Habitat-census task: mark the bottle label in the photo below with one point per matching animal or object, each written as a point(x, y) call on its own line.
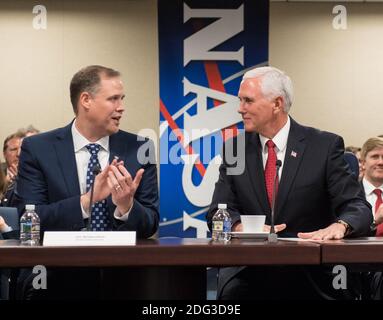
point(218, 226)
point(227, 226)
point(26, 227)
point(30, 228)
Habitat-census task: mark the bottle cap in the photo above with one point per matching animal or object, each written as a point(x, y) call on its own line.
point(30, 207)
point(222, 206)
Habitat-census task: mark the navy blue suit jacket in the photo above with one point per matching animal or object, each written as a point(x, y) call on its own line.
point(48, 178)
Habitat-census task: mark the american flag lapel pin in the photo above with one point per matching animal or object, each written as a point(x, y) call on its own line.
point(293, 154)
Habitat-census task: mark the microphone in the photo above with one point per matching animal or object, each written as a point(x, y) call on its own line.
point(95, 170)
point(273, 237)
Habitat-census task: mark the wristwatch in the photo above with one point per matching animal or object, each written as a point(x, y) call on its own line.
point(373, 226)
point(346, 225)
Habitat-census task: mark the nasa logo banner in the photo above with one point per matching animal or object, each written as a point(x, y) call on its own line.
point(205, 47)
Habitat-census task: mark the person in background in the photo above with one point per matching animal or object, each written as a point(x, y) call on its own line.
point(372, 182)
point(3, 185)
point(31, 131)
point(7, 276)
point(11, 151)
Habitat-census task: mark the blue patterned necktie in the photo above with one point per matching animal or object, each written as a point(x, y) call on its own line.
point(99, 217)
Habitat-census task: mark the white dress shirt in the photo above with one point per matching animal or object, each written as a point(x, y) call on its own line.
point(280, 141)
point(82, 159)
point(371, 197)
point(6, 229)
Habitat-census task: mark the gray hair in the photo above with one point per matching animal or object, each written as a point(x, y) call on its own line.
point(274, 83)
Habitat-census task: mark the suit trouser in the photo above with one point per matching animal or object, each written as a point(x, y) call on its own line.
point(62, 284)
point(285, 282)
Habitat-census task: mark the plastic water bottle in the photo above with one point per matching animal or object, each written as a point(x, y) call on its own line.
point(221, 224)
point(30, 226)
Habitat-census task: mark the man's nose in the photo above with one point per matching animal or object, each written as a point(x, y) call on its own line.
point(120, 107)
point(241, 108)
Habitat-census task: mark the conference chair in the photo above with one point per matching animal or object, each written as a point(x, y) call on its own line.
point(352, 162)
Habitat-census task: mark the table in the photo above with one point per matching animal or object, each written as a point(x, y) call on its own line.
point(354, 251)
point(168, 268)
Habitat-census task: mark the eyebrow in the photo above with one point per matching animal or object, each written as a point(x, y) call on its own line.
point(117, 96)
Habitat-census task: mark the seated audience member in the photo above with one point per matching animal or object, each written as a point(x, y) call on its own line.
point(3, 185)
point(11, 152)
point(372, 163)
point(57, 168)
point(7, 276)
point(354, 150)
point(9, 192)
point(317, 197)
point(31, 131)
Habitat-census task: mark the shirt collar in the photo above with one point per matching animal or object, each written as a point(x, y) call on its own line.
point(369, 187)
point(80, 142)
point(280, 139)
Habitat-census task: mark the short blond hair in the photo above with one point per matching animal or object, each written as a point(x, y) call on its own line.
point(369, 145)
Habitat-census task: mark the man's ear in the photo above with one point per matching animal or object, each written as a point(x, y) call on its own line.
point(85, 100)
point(279, 104)
point(362, 164)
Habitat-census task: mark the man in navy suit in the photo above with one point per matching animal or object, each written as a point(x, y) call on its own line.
point(317, 197)
point(54, 166)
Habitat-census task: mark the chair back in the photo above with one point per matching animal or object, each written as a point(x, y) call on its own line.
point(352, 162)
point(11, 217)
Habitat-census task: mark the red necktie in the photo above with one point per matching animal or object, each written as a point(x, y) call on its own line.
point(379, 201)
point(270, 170)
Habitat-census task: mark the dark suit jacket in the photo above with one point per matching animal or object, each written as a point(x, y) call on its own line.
point(315, 188)
point(372, 226)
point(14, 234)
point(48, 178)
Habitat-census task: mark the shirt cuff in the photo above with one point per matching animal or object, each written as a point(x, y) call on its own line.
point(122, 217)
point(85, 215)
point(6, 229)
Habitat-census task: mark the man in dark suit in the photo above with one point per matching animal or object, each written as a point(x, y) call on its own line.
point(371, 157)
point(56, 168)
point(11, 152)
point(317, 197)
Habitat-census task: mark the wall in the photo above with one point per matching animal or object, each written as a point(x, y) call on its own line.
point(37, 65)
point(337, 73)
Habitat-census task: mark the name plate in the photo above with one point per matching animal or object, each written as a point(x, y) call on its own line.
point(89, 238)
